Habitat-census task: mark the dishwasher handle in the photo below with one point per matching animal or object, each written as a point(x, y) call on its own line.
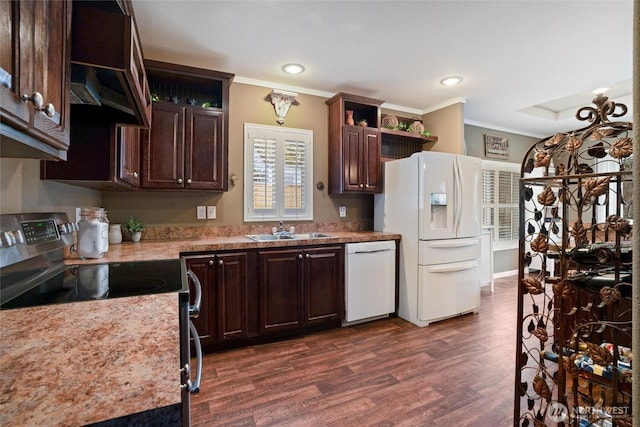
point(372, 251)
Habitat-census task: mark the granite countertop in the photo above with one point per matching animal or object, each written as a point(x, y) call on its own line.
point(149, 250)
point(84, 362)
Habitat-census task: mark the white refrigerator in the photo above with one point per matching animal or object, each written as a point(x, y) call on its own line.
point(434, 201)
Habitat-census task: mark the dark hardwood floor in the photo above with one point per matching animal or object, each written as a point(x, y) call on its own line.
point(458, 372)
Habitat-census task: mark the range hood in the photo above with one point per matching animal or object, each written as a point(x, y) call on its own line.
point(107, 71)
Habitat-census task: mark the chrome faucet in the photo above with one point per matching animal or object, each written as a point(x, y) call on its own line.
point(282, 230)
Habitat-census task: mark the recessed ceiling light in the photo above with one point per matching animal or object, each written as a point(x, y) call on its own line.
point(293, 68)
point(600, 90)
point(451, 81)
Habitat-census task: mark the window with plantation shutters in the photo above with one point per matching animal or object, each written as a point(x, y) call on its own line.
point(500, 195)
point(278, 173)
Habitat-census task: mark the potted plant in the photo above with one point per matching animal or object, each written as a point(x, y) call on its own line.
point(135, 227)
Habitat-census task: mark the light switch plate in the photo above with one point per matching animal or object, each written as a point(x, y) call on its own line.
point(343, 211)
point(201, 212)
point(211, 212)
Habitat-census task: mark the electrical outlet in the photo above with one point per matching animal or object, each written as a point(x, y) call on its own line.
point(201, 212)
point(211, 212)
point(343, 211)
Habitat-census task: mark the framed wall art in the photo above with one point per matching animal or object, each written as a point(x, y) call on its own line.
point(496, 147)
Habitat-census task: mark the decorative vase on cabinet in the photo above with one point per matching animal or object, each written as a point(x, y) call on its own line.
point(349, 121)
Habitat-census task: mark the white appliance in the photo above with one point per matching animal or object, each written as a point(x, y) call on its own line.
point(434, 201)
point(371, 280)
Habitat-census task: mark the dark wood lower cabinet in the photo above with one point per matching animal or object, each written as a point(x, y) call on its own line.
point(323, 285)
point(224, 305)
point(280, 287)
point(257, 295)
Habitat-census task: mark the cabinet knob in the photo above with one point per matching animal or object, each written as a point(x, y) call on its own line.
point(308, 256)
point(179, 180)
point(361, 185)
point(36, 99)
point(135, 174)
point(366, 186)
point(189, 181)
point(38, 102)
point(299, 256)
point(220, 262)
point(49, 110)
point(210, 262)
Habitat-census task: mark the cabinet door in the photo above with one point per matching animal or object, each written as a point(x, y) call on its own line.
point(323, 285)
point(51, 73)
point(205, 152)
point(204, 269)
point(352, 158)
point(16, 39)
point(371, 160)
point(163, 148)
point(280, 288)
point(129, 154)
point(34, 51)
point(231, 287)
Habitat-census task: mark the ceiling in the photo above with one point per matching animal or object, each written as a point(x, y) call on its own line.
point(527, 65)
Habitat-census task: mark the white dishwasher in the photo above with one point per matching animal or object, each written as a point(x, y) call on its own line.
point(370, 271)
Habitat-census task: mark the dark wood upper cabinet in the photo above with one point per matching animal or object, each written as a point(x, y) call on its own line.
point(361, 156)
point(104, 156)
point(354, 151)
point(187, 145)
point(108, 76)
point(34, 95)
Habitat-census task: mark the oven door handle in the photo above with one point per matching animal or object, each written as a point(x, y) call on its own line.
point(194, 310)
point(194, 387)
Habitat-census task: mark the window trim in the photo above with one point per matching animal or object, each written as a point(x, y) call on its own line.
point(514, 169)
point(280, 135)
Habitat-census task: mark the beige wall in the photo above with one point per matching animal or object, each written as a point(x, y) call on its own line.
point(22, 191)
point(448, 125)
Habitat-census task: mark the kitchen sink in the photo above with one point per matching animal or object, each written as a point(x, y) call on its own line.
point(275, 237)
point(269, 237)
point(303, 236)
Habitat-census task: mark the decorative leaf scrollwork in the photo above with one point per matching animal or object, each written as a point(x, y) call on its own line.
point(541, 334)
point(554, 140)
point(619, 224)
point(562, 290)
point(533, 285)
point(599, 355)
point(595, 187)
point(621, 148)
point(541, 388)
point(547, 197)
point(574, 143)
point(539, 244)
point(609, 295)
point(597, 151)
point(542, 159)
point(579, 233)
point(584, 168)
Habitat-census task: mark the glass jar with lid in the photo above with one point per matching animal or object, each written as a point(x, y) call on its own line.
point(93, 233)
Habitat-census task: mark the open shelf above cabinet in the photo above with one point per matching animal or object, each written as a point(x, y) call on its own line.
point(397, 144)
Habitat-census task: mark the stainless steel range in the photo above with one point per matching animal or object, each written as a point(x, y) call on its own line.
point(33, 273)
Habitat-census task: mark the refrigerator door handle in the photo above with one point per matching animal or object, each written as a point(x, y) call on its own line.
point(453, 269)
point(458, 199)
point(454, 244)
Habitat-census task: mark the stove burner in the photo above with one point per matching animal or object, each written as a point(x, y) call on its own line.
point(128, 287)
point(97, 281)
